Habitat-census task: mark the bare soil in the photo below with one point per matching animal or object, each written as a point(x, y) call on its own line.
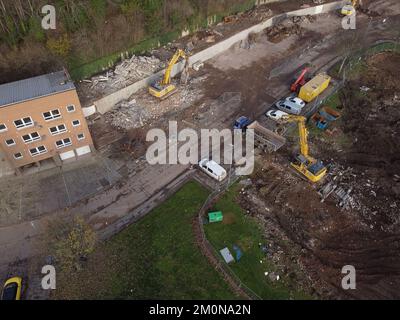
point(321, 238)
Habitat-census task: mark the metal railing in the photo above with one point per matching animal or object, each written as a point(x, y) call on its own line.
point(221, 264)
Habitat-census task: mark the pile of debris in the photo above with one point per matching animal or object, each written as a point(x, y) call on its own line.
point(126, 73)
point(304, 19)
point(261, 13)
point(354, 190)
point(289, 27)
point(208, 36)
point(340, 185)
point(279, 32)
point(127, 115)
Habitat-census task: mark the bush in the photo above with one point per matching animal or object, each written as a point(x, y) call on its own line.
point(60, 46)
point(71, 242)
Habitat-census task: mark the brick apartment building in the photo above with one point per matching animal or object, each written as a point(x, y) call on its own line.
point(41, 118)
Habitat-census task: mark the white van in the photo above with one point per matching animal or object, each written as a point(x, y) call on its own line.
point(213, 169)
point(289, 107)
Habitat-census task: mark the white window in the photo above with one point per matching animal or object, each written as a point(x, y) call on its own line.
point(37, 151)
point(23, 123)
point(30, 137)
point(51, 115)
point(10, 142)
point(63, 143)
point(81, 136)
point(71, 108)
point(58, 129)
point(76, 123)
point(18, 155)
point(3, 127)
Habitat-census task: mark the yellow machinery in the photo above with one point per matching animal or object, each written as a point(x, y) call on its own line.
point(164, 88)
point(314, 87)
point(349, 9)
point(314, 170)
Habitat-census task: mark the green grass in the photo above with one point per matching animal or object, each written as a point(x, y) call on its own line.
point(244, 231)
point(333, 101)
point(155, 258)
point(357, 61)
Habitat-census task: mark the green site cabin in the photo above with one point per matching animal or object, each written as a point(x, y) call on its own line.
point(215, 216)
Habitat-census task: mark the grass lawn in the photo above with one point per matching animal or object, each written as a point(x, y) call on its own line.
point(244, 231)
point(155, 258)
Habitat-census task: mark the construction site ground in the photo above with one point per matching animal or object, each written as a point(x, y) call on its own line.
point(320, 238)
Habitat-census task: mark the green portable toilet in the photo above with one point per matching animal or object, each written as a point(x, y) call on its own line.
point(216, 216)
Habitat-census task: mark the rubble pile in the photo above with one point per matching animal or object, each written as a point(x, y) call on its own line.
point(280, 32)
point(127, 115)
point(340, 184)
point(126, 73)
point(261, 13)
point(354, 190)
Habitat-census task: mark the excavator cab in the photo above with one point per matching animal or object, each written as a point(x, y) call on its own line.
point(349, 9)
point(313, 170)
point(158, 90)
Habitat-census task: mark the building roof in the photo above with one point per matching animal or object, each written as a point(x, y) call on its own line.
point(33, 88)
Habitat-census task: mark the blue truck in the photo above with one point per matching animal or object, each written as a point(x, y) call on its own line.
point(241, 123)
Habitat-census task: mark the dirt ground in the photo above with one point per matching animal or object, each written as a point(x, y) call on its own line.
point(320, 237)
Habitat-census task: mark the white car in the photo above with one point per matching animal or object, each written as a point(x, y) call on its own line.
point(213, 169)
point(276, 115)
point(297, 101)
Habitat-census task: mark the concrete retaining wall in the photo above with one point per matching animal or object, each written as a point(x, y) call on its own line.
point(107, 103)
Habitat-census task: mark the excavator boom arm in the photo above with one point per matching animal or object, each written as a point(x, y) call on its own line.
point(302, 132)
point(167, 76)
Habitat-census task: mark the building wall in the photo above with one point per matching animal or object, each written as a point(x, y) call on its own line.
point(35, 109)
point(108, 102)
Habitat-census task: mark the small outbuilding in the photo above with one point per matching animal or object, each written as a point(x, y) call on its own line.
point(226, 254)
point(215, 216)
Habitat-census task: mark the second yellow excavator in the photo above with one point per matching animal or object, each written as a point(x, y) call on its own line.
point(314, 170)
point(349, 9)
point(164, 88)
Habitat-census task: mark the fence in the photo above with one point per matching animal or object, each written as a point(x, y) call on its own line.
point(210, 248)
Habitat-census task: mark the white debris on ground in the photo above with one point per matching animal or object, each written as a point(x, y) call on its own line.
point(125, 73)
point(127, 115)
point(143, 108)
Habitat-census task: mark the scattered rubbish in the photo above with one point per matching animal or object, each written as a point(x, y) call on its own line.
point(238, 252)
point(125, 73)
point(197, 65)
point(127, 115)
point(365, 89)
point(226, 254)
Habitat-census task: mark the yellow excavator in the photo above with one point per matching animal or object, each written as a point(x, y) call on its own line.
point(164, 88)
point(314, 170)
point(349, 9)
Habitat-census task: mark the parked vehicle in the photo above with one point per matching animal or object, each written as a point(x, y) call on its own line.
point(241, 123)
point(289, 107)
point(314, 87)
point(300, 80)
point(12, 289)
point(276, 115)
point(297, 101)
point(266, 139)
point(213, 169)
